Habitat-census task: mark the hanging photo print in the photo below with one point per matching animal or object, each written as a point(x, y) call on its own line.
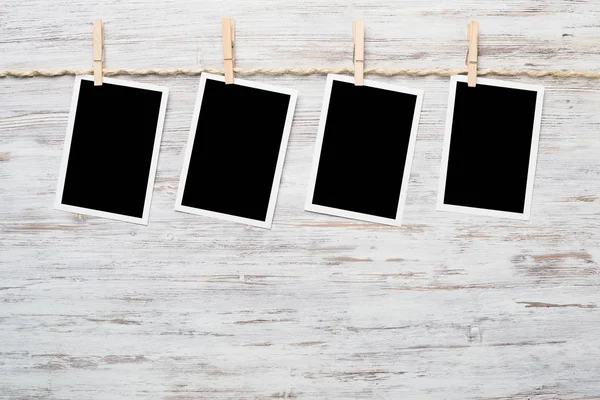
point(490, 148)
point(236, 149)
point(111, 149)
point(364, 150)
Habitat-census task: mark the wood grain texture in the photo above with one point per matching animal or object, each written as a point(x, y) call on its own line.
point(447, 306)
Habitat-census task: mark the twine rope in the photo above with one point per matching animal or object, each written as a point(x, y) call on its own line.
point(305, 72)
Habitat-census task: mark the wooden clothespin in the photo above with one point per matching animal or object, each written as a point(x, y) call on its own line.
point(358, 34)
point(228, 27)
point(473, 37)
point(98, 52)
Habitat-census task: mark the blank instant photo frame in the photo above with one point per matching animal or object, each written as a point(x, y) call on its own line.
point(364, 150)
point(490, 148)
point(111, 149)
point(236, 149)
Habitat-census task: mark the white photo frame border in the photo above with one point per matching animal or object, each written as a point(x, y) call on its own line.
point(537, 122)
point(280, 157)
point(58, 205)
point(309, 206)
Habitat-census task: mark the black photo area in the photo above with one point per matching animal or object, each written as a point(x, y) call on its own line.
point(490, 147)
point(235, 150)
point(111, 148)
point(364, 149)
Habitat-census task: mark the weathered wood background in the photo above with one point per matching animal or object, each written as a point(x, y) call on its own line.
point(448, 306)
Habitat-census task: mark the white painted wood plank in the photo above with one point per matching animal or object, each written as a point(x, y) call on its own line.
point(448, 306)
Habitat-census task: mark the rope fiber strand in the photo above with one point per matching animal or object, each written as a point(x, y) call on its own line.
point(305, 72)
